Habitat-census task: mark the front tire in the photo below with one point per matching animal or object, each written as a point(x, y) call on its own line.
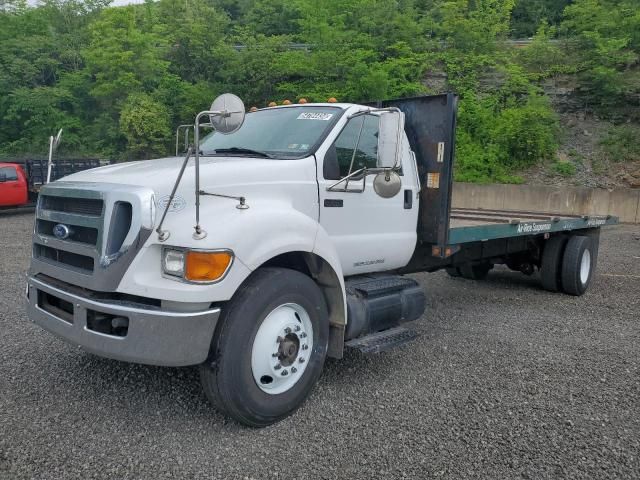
point(277, 322)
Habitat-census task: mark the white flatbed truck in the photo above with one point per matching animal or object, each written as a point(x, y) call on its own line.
point(307, 218)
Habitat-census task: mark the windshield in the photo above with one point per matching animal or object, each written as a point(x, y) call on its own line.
point(275, 132)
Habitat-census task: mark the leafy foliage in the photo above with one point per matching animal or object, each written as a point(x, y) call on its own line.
point(119, 80)
point(621, 144)
point(566, 169)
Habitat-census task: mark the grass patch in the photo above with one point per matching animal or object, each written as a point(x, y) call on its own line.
point(566, 169)
point(622, 144)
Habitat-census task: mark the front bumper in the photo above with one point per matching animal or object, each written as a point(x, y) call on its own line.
point(153, 336)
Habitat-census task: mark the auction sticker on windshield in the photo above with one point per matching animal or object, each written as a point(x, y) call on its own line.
point(315, 116)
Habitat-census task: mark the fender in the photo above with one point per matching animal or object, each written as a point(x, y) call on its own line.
point(293, 232)
point(267, 229)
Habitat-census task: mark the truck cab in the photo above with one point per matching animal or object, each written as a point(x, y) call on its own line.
point(279, 239)
point(13, 185)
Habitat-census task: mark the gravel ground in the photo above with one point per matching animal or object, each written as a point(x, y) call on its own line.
point(506, 381)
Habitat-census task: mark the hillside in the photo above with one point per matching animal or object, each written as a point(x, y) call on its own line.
point(119, 80)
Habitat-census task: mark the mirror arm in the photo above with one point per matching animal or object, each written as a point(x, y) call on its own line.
point(373, 110)
point(164, 234)
point(332, 188)
point(353, 156)
point(199, 233)
point(399, 141)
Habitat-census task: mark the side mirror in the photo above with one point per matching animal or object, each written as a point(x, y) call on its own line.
point(387, 184)
point(229, 113)
point(390, 139)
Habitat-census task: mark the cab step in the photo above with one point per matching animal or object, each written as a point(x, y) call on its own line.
point(383, 341)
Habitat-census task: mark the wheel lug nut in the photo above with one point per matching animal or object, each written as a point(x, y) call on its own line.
point(304, 347)
point(303, 335)
point(297, 328)
point(294, 369)
point(301, 360)
point(284, 373)
point(277, 367)
point(287, 330)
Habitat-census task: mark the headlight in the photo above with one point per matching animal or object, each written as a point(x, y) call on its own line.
point(173, 262)
point(196, 265)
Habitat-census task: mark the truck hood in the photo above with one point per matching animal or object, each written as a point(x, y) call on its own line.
point(229, 175)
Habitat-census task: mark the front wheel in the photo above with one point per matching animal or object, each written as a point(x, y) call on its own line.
point(269, 348)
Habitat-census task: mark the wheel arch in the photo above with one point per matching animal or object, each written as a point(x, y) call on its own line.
point(331, 284)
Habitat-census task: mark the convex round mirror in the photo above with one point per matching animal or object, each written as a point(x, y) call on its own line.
point(231, 113)
point(387, 184)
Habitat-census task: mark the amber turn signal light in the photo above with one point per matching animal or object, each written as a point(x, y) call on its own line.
point(206, 266)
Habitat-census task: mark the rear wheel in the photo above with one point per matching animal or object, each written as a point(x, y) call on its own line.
point(551, 268)
point(475, 271)
point(577, 265)
point(453, 271)
point(269, 348)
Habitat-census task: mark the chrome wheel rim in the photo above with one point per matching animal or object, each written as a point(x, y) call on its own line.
point(281, 348)
point(585, 267)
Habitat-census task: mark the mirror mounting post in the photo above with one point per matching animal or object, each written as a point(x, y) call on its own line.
point(226, 115)
point(199, 233)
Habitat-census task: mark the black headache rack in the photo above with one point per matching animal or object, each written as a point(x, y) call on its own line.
point(430, 125)
point(445, 232)
point(36, 169)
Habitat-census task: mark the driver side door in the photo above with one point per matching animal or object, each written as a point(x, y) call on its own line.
point(370, 233)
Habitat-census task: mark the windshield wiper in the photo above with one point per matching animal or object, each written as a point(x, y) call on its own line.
point(241, 150)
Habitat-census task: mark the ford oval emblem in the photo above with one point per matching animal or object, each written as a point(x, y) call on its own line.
point(61, 231)
point(177, 204)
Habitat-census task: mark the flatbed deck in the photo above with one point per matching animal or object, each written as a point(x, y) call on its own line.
point(473, 225)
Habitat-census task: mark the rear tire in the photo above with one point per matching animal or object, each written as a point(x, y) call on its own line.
point(453, 271)
point(276, 322)
point(475, 271)
point(551, 268)
point(577, 265)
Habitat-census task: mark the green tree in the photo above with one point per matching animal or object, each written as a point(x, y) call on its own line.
point(604, 41)
point(144, 122)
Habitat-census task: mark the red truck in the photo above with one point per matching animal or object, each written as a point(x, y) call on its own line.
point(14, 187)
point(21, 182)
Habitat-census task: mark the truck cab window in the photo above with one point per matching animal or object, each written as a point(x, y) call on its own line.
point(342, 149)
point(9, 174)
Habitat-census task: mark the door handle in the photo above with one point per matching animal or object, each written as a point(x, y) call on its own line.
point(333, 202)
point(408, 199)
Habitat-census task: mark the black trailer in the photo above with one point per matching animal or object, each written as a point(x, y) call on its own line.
point(469, 242)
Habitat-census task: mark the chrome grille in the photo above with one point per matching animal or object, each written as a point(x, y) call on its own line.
point(83, 206)
point(74, 260)
point(78, 234)
point(106, 224)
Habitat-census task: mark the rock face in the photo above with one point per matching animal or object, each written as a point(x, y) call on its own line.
point(633, 178)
